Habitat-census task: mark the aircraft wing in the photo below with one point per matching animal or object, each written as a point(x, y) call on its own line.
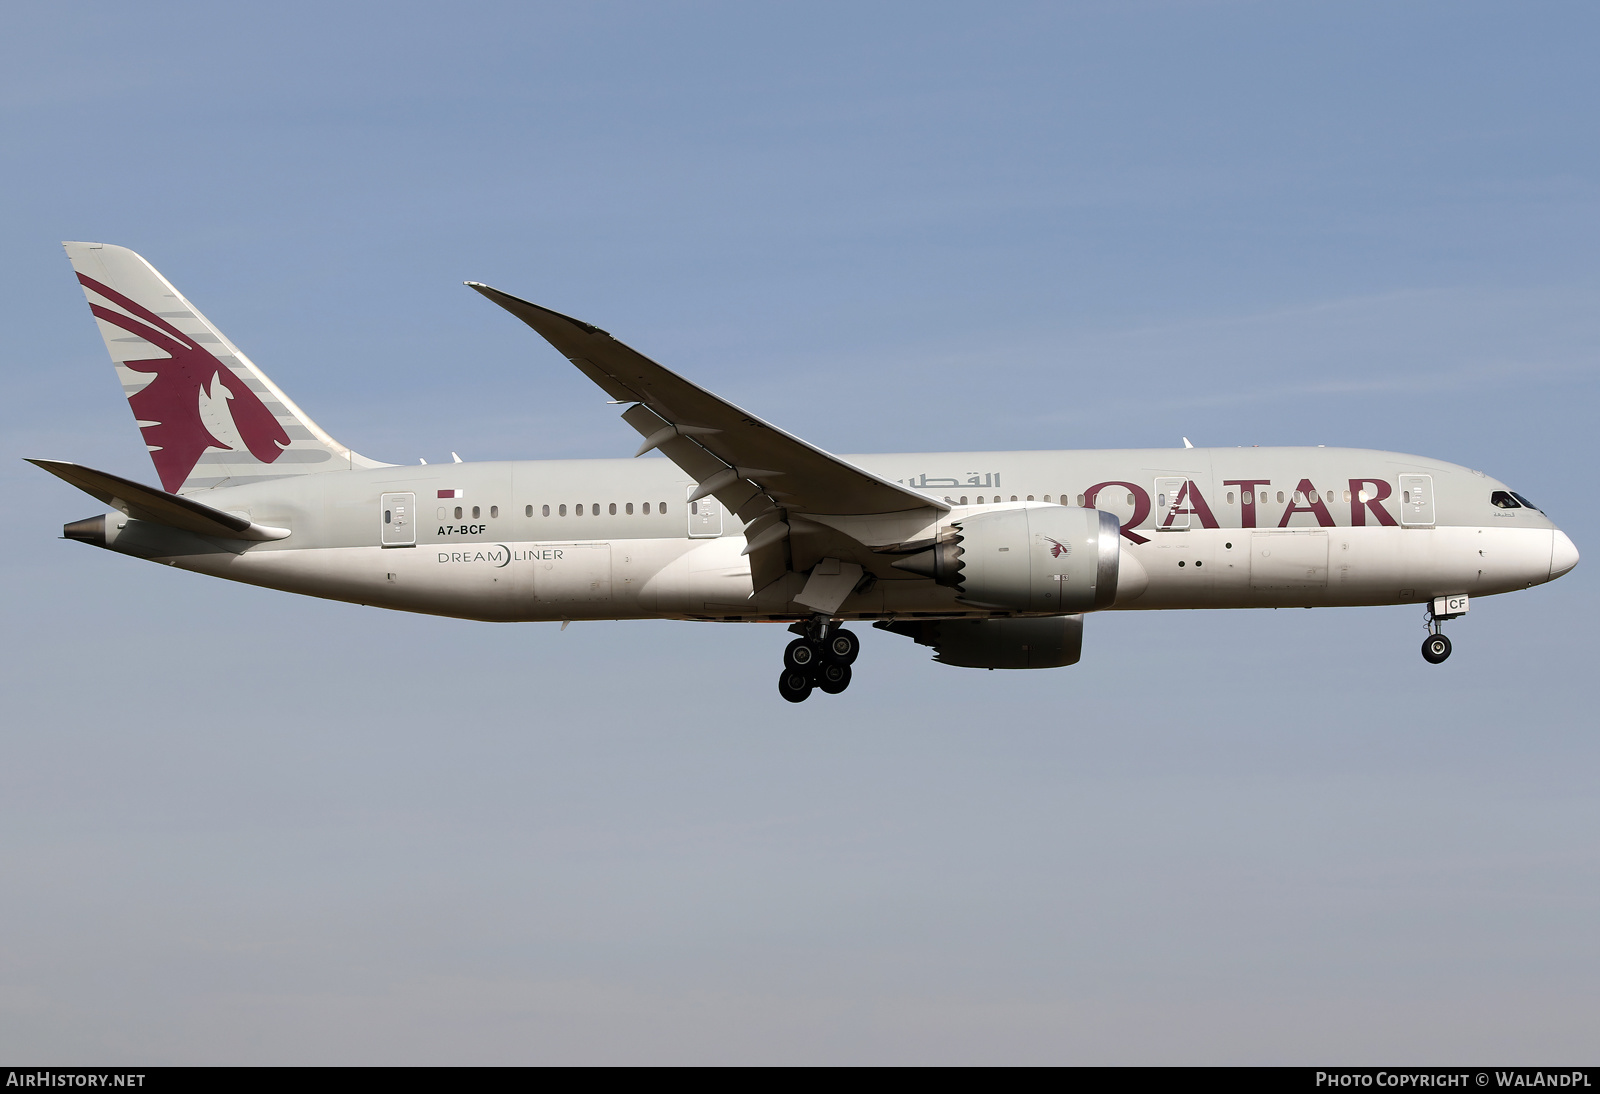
point(770, 478)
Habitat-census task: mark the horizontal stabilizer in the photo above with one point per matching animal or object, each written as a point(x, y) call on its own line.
point(157, 506)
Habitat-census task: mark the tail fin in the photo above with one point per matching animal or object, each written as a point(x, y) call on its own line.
point(208, 415)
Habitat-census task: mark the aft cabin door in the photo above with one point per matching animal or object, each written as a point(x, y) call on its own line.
point(1416, 501)
point(1169, 494)
point(398, 513)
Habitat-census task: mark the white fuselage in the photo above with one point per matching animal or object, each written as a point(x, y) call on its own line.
point(616, 539)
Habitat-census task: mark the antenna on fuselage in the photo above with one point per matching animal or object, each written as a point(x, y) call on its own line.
point(1186, 443)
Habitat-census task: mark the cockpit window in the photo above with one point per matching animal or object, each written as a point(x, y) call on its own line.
point(1504, 499)
point(1526, 502)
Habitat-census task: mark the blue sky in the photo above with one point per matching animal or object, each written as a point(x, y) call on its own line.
point(237, 826)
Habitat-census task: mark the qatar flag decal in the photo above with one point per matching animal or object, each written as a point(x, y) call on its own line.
point(452, 493)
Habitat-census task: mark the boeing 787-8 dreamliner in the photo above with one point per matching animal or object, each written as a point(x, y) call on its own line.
point(990, 558)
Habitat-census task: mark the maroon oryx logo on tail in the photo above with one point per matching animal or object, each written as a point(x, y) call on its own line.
point(177, 435)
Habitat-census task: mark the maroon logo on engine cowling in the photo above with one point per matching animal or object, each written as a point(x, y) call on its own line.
point(1057, 548)
point(171, 401)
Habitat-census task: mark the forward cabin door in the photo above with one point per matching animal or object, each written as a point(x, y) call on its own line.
point(398, 513)
point(1416, 501)
point(1169, 491)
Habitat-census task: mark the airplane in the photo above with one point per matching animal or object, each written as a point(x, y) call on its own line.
point(991, 559)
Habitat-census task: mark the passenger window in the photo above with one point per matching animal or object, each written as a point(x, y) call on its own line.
point(546, 511)
point(494, 511)
point(661, 507)
point(1230, 497)
point(594, 509)
point(1080, 500)
point(1264, 497)
point(963, 499)
point(613, 508)
point(628, 508)
point(1047, 497)
point(1030, 498)
point(694, 508)
point(563, 510)
point(1406, 494)
point(1130, 499)
point(1502, 499)
point(577, 510)
point(1346, 496)
point(647, 509)
point(386, 515)
point(528, 512)
point(980, 499)
point(458, 512)
point(1014, 498)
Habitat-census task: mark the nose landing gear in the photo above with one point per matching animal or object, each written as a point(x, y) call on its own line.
point(819, 659)
point(1436, 647)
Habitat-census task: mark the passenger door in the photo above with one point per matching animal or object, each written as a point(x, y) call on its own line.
point(1167, 493)
point(705, 517)
point(1416, 501)
point(398, 515)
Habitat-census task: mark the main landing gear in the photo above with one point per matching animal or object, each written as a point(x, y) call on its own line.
point(1436, 647)
point(820, 658)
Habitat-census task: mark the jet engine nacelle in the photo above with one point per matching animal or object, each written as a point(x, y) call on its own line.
point(1044, 558)
point(1046, 643)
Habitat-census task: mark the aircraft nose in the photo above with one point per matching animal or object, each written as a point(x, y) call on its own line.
point(1563, 555)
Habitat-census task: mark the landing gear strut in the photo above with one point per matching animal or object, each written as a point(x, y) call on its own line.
point(820, 658)
point(1436, 647)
